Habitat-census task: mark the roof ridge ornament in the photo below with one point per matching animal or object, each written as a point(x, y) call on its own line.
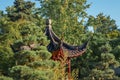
point(48, 22)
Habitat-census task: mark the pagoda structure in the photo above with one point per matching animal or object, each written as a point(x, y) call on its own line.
point(58, 47)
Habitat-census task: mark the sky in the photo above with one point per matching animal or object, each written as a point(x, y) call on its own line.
point(108, 7)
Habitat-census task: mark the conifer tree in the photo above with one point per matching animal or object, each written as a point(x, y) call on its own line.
point(32, 60)
point(6, 54)
point(103, 70)
point(5, 78)
point(24, 53)
point(21, 10)
point(102, 23)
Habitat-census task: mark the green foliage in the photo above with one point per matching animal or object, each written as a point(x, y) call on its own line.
point(23, 52)
point(105, 48)
point(104, 67)
point(104, 75)
point(67, 17)
point(27, 73)
point(32, 59)
point(20, 10)
point(116, 51)
point(113, 34)
point(6, 59)
point(5, 78)
point(9, 31)
point(102, 23)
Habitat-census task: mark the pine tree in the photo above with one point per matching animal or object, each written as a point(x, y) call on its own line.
point(32, 58)
point(5, 78)
point(21, 10)
point(24, 53)
point(6, 54)
point(102, 23)
point(103, 70)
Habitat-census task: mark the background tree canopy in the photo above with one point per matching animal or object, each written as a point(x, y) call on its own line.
point(23, 52)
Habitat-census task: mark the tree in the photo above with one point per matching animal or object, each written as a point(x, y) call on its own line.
point(1, 14)
point(5, 78)
point(82, 65)
point(6, 54)
point(104, 68)
point(68, 17)
point(23, 52)
point(102, 23)
point(21, 10)
point(32, 58)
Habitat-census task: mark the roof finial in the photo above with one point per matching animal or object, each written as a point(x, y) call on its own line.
point(48, 22)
